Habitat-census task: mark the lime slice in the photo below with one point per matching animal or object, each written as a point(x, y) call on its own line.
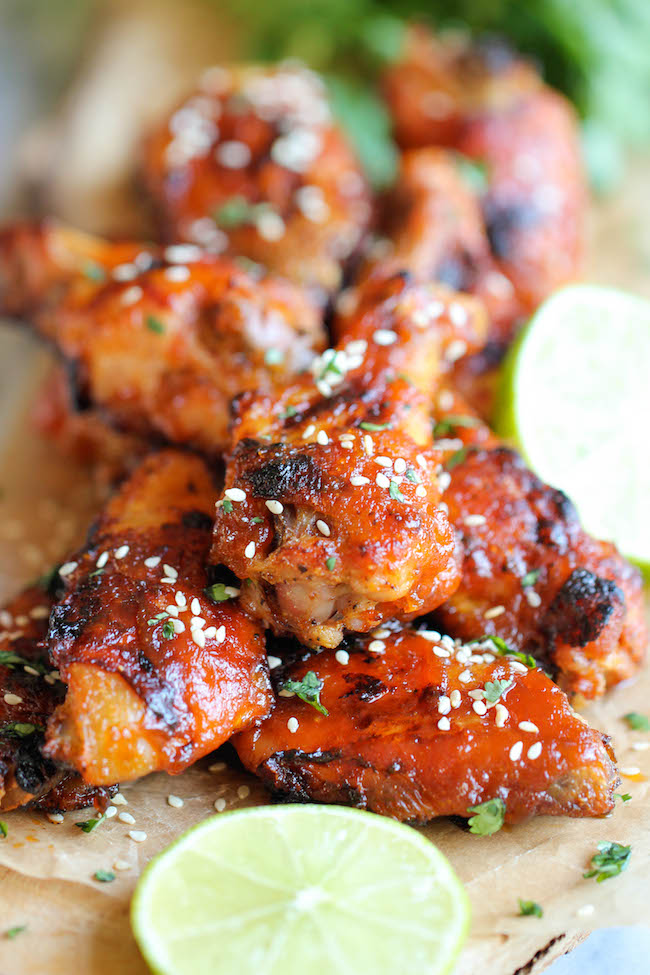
point(284, 890)
point(575, 398)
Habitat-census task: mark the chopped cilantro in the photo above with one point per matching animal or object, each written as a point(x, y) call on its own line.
point(155, 325)
point(104, 876)
point(624, 797)
point(4, 830)
point(234, 212)
point(502, 649)
point(530, 908)
point(97, 572)
point(256, 520)
point(88, 825)
point(444, 427)
point(308, 690)
point(15, 931)
point(19, 729)
point(375, 427)
point(611, 859)
point(457, 458)
point(157, 619)
point(227, 506)
point(168, 631)
point(289, 412)
point(530, 578)
point(495, 688)
point(395, 492)
point(219, 592)
point(330, 563)
point(95, 272)
point(488, 817)
point(636, 721)
point(413, 476)
point(273, 357)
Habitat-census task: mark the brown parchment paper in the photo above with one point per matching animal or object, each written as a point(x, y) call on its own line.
point(74, 923)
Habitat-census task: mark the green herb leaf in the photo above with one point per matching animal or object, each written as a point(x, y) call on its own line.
point(624, 797)
point(10, 659)
point(219, 592)
point(502, 649)
point(234, 212)
point(308, 690)
point(227, 506)
point(375, 427)
point(444, 427)
point(395, 492)
point(88, 825)
point(19, 729)
point(155, 325)
point(168, 631)
point(611, 859)
point(4, 830)
point(256, 520)
point(104, 876)
point(330, 562)
point(97, 572)
point(457, 458)
point(289, 412)
point(157, 619)
point(530, 908)
point(15, 931)
point(495, 688)
point(95, 272)
point(530, 578)
point(273, 357)
point(413, 476)
point(488, 817)
point(636, 721)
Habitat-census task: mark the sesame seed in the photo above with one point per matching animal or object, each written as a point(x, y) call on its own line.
point(516, 750)
point(175, 802)
point(121, 865)
point(382, 481)
point(309, 431)
point(535, 750)
point(197, 623)
point(124, 272)
point(441, 652)
point(198, 637)
point(181, 600)
point(502, 715)
point(357, 480)
point(342, 657)
point(235, 494)
point(243, 791)
point(383, 461)
point(422, 462)
point(217, 767)
point(493, 612)
point(368, 445)
point(323, 528)
point(421, 491)
point(170, 571)
point(376, 646)
point(455, 698)
point(475, 520)
point(624, 770)
point(533, 598)
point(210, 632)
point(444, 480)
point(455, 350)
point(400, 465)
point(195, 607)
point(477, 695)
point(126, 817)
point(444, 705)
point(132, 295)
point(31, 670)
point(479, 707)
point(172, 609)
point(67, 568)
point(220, 805)
point(121, 552)
point(275, 507)
point(292, 725)
point(322, 438)
point(181, 253)
point(152, 561)
point(178, 626)
point(249, 551)
point(638, 746)
point(273, 662)
point(177, 273)
point(220, 635)
point(519, 667)
point(458, 315)
point(137, 835)
point(528, 726)
point(110, 812)
point(12, 699)
point(119, 800)
point(55, 817)
point(444, 724)
point(22, 620)
point(384, 336)
point(586, 910)
point(233, 154)
point(270, 226)
point(465, 677)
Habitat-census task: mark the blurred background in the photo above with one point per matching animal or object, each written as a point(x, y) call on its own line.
point(80, 78)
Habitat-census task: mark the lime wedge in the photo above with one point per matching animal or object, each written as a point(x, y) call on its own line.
point(575, 398)
point(284, 890)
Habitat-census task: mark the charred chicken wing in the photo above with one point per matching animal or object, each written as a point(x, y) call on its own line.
point(252, 164)
point(159, 340)
point(413, 726)
point(159, 669)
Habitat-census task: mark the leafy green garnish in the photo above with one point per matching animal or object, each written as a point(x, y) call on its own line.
point(157, 619)
point(289, 412)
point(95, 272)
point(375, 427)
point(636, 721)
point(88, 825)
point(457, 458)
point(330, 562)
point(235, 212)
point(611, 859)
point(308, 690)
point(488, 817)
point(12, 933)
point(219, 592)
point(256, 520)
point(104, 876)
point(413, 476)
point(10, 659)
point(155, 325)
point(495, 688)
point(530, 908)
point(227, 506)
point(395, 492)
point(96, 572)
point(530, 578)
point(444, 427)
point(624, 797)
point(502, 649)
point(4, 829)
point(168, 631)
point(273, 357)
point(19, 729)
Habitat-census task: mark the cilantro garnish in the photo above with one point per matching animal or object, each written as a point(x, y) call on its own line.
point(444, 427)
point(289, 412)
point(15, 931)
point(88, 825)
point(19, 729)
point(155, 325)
point(495, 688)
point(611, 859)
point(10, 659)
point(227, 506)
point(530, 908)
point(273, 357)
point(308, 690)
point(157, 619)
point(219, 592)
point(95, 272)
point(636, 721)
point(530, 578)
point(168, 631)
point(395, 492)
point(624, 797)
point(457, 458)
point(330, 562)
point(104, 876)
point(502, 649)
point(97, 572)
point(256, 520)
point(375, 427)
point(4, 829)
point(413, 476)
point(488, 817)
point(236, 211)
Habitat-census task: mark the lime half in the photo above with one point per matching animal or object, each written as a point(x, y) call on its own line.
point(284, 890)
point(575, 398)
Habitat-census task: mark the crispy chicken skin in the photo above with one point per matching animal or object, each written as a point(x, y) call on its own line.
point(160, 340)
point(409, 734)
point(29, 694)
point(251, 164)
point(580, 612)
point(331, 509)
point(144, 691)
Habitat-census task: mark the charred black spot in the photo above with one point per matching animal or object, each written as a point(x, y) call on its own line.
point(295, 756)
point(221, 573)
point(197, 520)
point(581, 609)
point(68, 622)
point(32, 770)
point(504, 221)
point(77, 386)
point(296, 475)
point(145, 663)
point(366, 688)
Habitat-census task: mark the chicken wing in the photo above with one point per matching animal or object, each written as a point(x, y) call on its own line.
point(160, 668)
point(334, 521)
point(252, 164)
point(413, 726)
point(159, 340)
point(30, 692)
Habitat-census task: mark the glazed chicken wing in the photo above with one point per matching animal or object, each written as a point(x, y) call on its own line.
point(331, 509)
point(415, 726)
point(160, 669)
point(30, 691)
point(252, 164)
point(159, 340)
